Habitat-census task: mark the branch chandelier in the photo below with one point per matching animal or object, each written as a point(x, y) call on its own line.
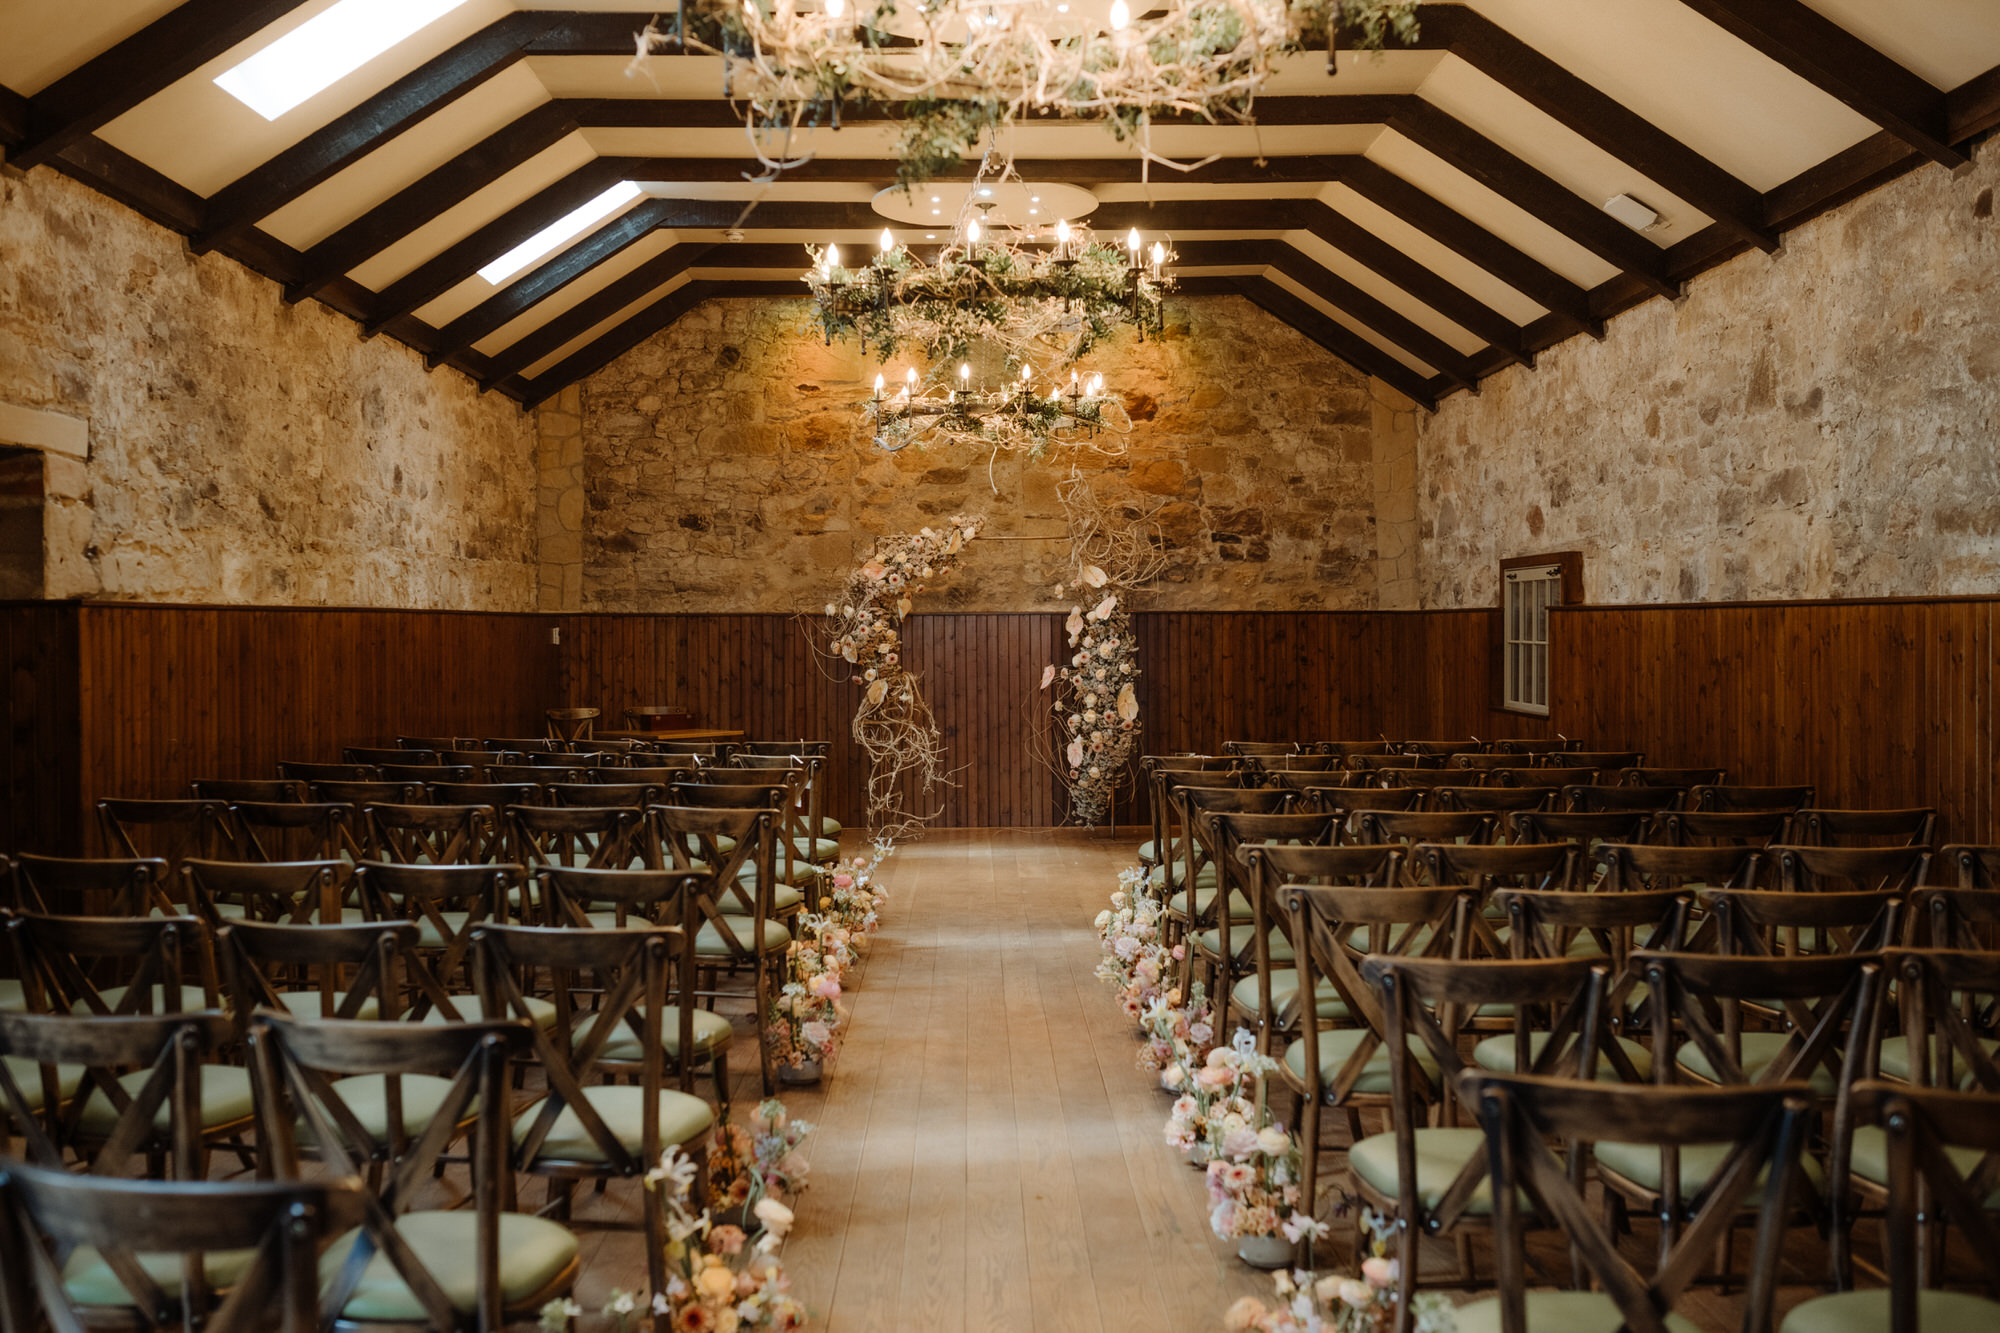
point(952, 70)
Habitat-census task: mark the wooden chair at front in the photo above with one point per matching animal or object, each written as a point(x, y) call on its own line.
point(93, 886)
point(1730, 828)
point(406, 1267)
point(570, 725)
point(1629, 866)
point(299, 892)
point(1851, 869)
point(1913, 827)
point(1758, 1134)
point(1271, 868)
point(153, 1255)
point(435, 835)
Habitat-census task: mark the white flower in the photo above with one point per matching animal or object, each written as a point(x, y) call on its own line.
point(1273, 1141)
point(777, 1218)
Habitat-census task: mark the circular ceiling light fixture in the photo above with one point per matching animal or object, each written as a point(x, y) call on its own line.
point(1010, 204)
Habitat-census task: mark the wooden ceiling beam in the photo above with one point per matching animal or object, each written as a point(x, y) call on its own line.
point(162, 53)
point(565, 267)
point(354, 134)
point(1598, 118)
point(13, 117)
point(1843, 66)
point(593, 310)
point(1303, 169)
point(423, 200)
point(1342, 342)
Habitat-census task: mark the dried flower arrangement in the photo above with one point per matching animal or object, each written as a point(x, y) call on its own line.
point(1135, 960)
point(893, 724)
point(802, 1027)
point(720, 1276)
point(1309, 1303)
point(746, 1165)
point(954, 70)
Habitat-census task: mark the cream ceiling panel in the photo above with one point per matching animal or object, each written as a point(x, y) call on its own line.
point(456, 223)
point(1518, 227)
point(778, 192)
point(1746, 113)
point(604, 326)
point(1944, 41)
point(45, 41)
point(1448, 264)
point(1388, 293)
point(1175, 190)
point(1351, 324)
point(405, 159)
point(476, 289)
point(1555, 150)
point(586, 286)
point(201, 137)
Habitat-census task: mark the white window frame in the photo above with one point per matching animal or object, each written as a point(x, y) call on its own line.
point(1526, 594)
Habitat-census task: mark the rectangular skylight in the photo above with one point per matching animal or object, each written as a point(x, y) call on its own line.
point(560, 231)
point(324, 49)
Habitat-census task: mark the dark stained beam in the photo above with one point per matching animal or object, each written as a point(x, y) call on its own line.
point(1447, 298)
point(1841, 65)
point(347, 138)
point(1304, 169)
point(567, 265)
point(593, 310)
point(1350, 347)
point(1453, 230)
point(1973, 108)
point(1604, 121)
point(615, 343)
point(116, 173)
point(13, 117)
point(418, 203)
point(165, 51)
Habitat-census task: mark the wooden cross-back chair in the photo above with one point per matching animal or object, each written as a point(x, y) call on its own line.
point(1261, 749)
point(1169, 843)
point(1228, 948)
point(1628, 866)
point(786, 869)
point(659, 775)
point(1372, 763)
point(116, 965)
point(296, 831)
point(570, 725)
point(601, 837)
point(229, 790)
point(367, 971)
point(1204, 883)
point(1306, 782)
point(737, 932)
point(1764, 923)
point(1941, 1155)
point(1568, 923)
point(1593, 798)
point(93, 886)
point(1481, 761)
point(520, 744)
point(494, 797)
point(1426, 780)
point(632, 792)
point(1269, 868)
point(1683, 778)
point(1433, 1179)
point(1915, 826)
point(446, 902)
point(301, 892)
point(1348, 749)
point(1790, 797)
point(1762, 1133)
point(1493, 800)
point(376, 756)
point(429, 773)
point(1298, 763)
point(1410, 827)
point(1544, 775)
point(1969, 865)
point(584, 1129)
point(1824, 869)
point(1944, 917)
point(813, 756)
point(1549, 865)
point(1342, 1062)
point(442, 744)
point(170, 830)
point(1586, 831)
point(433, 834)
point(1440, 749)
point(1350, 802)
point(537, 775)
point(800, 812)
point(1723, 828)
point(151, 1254)
point(311, 773)
point(405, 1267)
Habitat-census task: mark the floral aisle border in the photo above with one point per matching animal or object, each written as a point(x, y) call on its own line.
point(893, 723)
point(1096, 703)
point(1221, 1120)
point(806, 1019)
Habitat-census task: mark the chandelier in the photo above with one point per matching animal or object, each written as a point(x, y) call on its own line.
point(952, 70)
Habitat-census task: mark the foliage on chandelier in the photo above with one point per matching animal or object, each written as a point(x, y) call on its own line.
point(953, 70)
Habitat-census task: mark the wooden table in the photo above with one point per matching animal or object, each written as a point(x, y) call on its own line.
point(694, 734)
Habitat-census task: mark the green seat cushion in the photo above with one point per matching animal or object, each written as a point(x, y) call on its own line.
point(784, 897)
point(472, 1009)
point(1559, 1312)
point(802, 872)
point(723, 843)
point(13, 997)
point(305, 1004)
point(367, 1095)
point(682, 1119)
point(1497, 1053)
point(1358, 938)
point(1759, 1050)
point(815, 849)
point(192, 998)
point(1336, 1046)
point(1239, 906)
point(709, 942)
point(1284, 988)
point(1441, 1155)
point(1640, 1164)
point(534, 1253)
point(711, 1032)
point(1868, 1312)
point(1203, 879)
point(27, 1076)
point(1870, 1159)
point(829, 827)
point(1895, 1059)
point(1241, 943)
point(90, 1281)
point(1146, 851)
point(225, 1097)
point(429, 936)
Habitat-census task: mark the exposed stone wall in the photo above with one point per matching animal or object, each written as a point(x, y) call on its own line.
point(243, 450)
point(726, 469)
point(1821, 422)
point(559, 500)
point(1394, 420)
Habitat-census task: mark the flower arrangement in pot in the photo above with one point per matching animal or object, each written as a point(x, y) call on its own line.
point(1135, 961)
point(1310, 1303)
point(720, 1276)
point(1178, 1037)
point(803, 1023)
point(746, 1164)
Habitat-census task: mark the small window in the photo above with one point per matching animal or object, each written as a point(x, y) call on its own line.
point(1529, 586)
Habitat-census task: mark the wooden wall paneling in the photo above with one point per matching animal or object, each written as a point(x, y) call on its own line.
point(43, 807)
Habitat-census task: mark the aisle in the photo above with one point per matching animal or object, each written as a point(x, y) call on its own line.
point(989, 1156)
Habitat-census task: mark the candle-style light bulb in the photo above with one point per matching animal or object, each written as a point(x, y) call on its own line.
point(1159, 254)
point(1132, 241)
point(964, 372)
point(878, 386)
point(835, 8)
point(888, 241)
point(1121, 14)
point(1025, 372)
point(832, 258)
point(1062, 232)
point(972, 232)
point(910, 377)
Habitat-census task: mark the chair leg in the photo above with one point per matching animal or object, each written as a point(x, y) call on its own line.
point(718, 1067)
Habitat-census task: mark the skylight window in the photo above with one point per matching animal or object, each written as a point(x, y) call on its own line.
point(560, 232)
point(325, 49)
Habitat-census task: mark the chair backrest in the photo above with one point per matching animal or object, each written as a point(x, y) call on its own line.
point(519, 744)
point(1299, 763)
point(602, 836)
point(1912, 827)
point(1493, 800)
point(1415, 826)
point(1761, 922)
point(80, 886)
point(428, 773)
point(538, 774)
point(227, 790)
point(1710, 828)
point(1547, 923)
point(373, 791)
point(1819, 869)
point(160, 963)
point(1630, 866)
point(638, 795)
point(1684, 778)
point(1351, 801)
point(292, 1062)
point(284, 1222)
point(171, 830)
point(474, 895)
point(658, 775)
point(1548, 865)
point(1585, 830)
point(1533, 745)
point(691, 837)
point(300, 892)
point(1547, 775)
point(1592, 798)
point(296, 830)
point(1484, 761)
point(1370, 762)
point(1953, 918)
point(365, 971)
point(433, 834)
point(1970, 866)
point(1823, 1001)
point(376, 757)
point(1718, 796)
point(1522, 1114)
point(327, 772)
point(572, 724)
point(1946, 1000)
point(1260, 748)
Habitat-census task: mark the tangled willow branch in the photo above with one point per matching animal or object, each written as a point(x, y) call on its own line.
point(893, 723)
point(958, 68)
point(1096, 702)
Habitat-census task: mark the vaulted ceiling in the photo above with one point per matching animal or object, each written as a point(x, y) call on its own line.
point(1430, 216)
